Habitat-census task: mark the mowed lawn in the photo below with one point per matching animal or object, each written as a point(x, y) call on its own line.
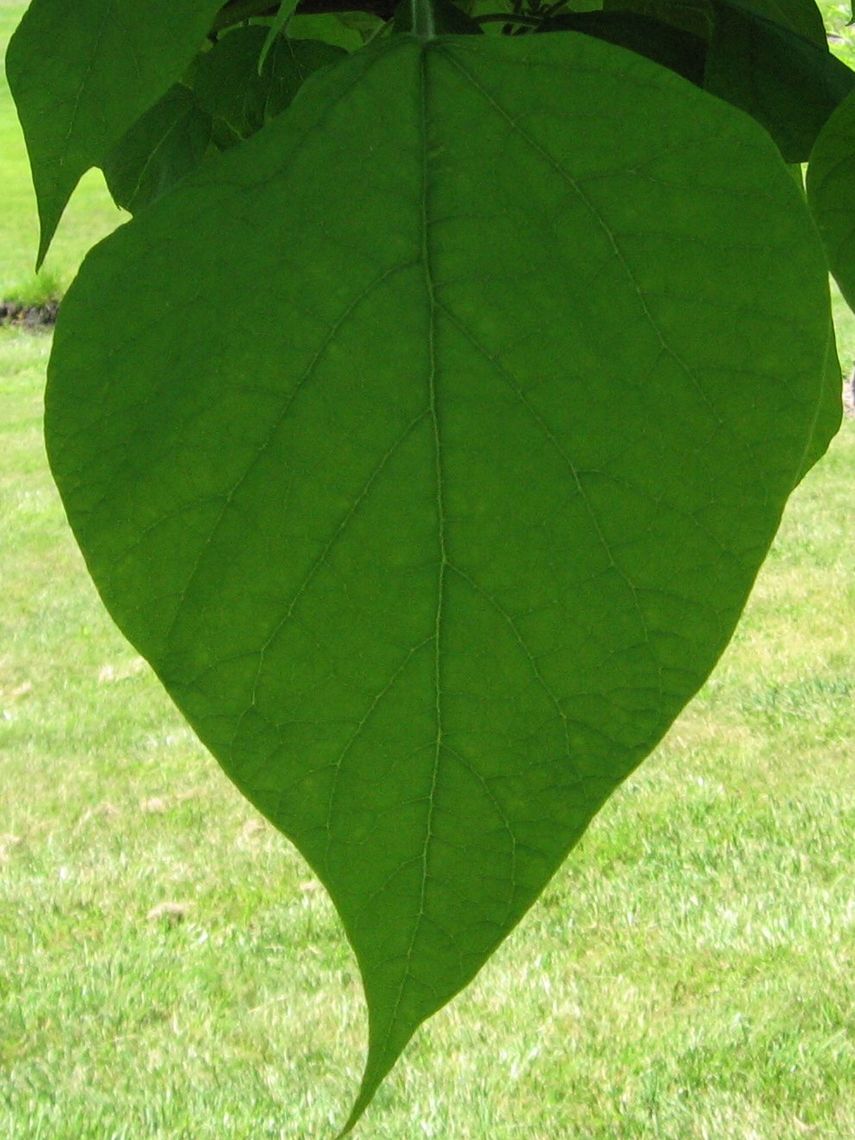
point(169, 967)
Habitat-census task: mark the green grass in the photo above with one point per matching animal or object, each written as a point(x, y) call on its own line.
point(688, 974)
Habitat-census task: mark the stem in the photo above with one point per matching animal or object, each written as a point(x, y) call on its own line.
point(422, 17)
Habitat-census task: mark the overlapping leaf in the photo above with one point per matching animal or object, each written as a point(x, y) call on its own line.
point(434, 533)
point(787, 83)
point(770, 59)
point(240, 98)
point(82, 73)
point(831, 193)
point(164, 145)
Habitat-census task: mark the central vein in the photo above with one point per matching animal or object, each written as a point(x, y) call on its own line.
point(442, 564)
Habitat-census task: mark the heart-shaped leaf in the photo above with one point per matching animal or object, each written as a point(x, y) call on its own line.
point(433, 484)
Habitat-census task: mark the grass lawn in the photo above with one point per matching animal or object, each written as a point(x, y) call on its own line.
point(690, 972)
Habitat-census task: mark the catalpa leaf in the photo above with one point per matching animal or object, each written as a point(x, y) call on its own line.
point(164, 145)
point(831, 194)
point(434, 534)
point(81, 73)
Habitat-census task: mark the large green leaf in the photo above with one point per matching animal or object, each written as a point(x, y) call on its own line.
point(83, 72)
point(831, 194)
point(428, 444)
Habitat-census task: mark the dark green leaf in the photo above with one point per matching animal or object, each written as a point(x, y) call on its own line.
point(831, 194)
point(162, 147)
point(681, 51)
point(697, 16)
point(82, 73)
point(227, 83)
point(432, 511)
point(693, 16)
point(800, 16)
point(787, 83)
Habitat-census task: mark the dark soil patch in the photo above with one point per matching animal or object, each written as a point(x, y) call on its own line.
point(29, 316)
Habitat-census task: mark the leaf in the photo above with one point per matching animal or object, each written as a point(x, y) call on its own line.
point(800, 16)
point(697, 16)
point(228, 86)
point(83, 73)
point(164, 145)
point(692, 16)
point(428, 444)
point(831, 194)
point(787, 83)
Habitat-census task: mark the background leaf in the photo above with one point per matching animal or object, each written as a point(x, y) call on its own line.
point(434, 533)
point(831, 194)
point(800, 16)
point(83, 73)
point(787, 83)
point(228, 86)
point(681, 51)
point(697, 16)
point(167, 142)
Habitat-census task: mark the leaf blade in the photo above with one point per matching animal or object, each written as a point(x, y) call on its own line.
point(389, 557)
